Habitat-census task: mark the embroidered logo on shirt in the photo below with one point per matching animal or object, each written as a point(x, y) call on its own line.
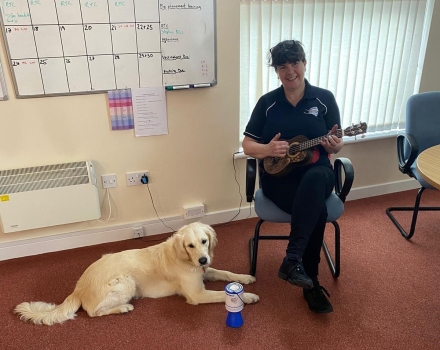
point(313, 110)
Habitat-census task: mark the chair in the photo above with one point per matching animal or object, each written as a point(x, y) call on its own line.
point(421, 132)
point(266, 210)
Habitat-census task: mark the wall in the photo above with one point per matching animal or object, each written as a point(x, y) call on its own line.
point(430, 75)
point(193, 163)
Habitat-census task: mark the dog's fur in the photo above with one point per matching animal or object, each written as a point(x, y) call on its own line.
point(177, 266)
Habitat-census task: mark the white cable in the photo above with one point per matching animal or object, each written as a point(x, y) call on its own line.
point(107, 193)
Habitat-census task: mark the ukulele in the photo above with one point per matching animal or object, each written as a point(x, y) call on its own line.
point(300, 151)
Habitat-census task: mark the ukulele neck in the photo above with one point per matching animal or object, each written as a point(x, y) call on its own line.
point(312, 143)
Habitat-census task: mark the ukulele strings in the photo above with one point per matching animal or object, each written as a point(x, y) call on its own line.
point(310, 143)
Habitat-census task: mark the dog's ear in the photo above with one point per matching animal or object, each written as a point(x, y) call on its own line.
point(212, 239)
point(179, 246)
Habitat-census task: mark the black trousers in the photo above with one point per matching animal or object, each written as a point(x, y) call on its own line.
point(302, 193)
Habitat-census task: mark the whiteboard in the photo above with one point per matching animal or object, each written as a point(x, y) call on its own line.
point(84, 46)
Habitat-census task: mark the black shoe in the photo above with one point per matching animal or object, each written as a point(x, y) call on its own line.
point(317, 301)
point(293, 272)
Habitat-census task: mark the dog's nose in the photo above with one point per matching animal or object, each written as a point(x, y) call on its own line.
point(203, 261)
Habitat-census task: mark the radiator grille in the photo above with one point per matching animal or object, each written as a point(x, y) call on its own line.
point(42, 177)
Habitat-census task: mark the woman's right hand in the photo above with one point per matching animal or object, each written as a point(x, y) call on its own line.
point(277, 148)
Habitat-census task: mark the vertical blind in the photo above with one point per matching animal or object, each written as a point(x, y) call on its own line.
point(369, 53)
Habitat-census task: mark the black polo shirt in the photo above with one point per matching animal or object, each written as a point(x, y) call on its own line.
point(313, 116)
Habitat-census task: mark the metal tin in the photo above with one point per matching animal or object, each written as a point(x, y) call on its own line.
point(234, 297)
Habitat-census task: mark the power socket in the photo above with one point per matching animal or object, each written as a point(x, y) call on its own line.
point(138, 232)
point(134, 178)
point(193, 211)
point(109, 181)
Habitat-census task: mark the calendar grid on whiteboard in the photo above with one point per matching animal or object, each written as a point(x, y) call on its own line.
point(77, 46)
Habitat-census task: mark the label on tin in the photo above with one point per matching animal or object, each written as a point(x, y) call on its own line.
point(234, 296)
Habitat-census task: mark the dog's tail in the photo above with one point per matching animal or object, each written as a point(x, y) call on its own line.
point(44, 313)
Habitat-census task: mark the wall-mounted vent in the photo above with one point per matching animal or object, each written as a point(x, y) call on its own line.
point(48, 195)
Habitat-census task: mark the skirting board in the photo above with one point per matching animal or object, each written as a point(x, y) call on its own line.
point(71, 240)
point(381, 189)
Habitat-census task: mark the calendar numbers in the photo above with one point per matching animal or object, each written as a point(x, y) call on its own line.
point(73, 46)
point(80, 46)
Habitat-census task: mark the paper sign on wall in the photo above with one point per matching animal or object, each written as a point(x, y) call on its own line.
point(150, 111)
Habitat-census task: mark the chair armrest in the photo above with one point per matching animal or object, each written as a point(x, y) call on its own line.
point(251, 175)
point(406, 140)
point(344, 176)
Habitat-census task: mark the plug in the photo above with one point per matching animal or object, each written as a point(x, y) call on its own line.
point(144, 179)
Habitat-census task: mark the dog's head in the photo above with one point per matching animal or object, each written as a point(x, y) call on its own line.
point(195, 243)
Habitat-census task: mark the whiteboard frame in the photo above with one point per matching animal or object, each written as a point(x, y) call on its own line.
point(17, 95)
point(4, 96)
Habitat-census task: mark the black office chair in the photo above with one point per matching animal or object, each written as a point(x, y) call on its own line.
point(421, 132)
point(266, 210)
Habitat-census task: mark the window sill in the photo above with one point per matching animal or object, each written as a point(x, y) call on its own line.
point(372, 136)
point(347, 140)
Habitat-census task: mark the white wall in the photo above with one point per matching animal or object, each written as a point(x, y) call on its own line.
point(193, 163)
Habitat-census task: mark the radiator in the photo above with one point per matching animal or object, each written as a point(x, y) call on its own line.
point(48, 195)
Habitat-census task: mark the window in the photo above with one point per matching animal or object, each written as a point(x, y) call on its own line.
point(369, 53)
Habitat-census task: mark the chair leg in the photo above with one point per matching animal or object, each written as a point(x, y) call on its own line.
point(253, 248)
point(415, 211)
point(253, 245)
point(335, 266)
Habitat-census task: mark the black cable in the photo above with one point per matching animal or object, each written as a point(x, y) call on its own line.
point(154, 207)
point(145, 180)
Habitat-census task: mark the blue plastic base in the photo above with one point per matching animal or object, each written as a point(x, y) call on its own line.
point(234, 319)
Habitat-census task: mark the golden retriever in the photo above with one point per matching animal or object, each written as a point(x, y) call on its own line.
point(177, 266)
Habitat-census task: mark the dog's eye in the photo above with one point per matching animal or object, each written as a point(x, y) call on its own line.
point(191, 245)
point(204, 241)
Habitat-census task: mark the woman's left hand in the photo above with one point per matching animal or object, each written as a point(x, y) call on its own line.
point(332, 144)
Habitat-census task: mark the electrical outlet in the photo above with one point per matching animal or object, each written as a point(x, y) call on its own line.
point(134, 178)
point(109, 181)
point(138, 231)
point(193, 211)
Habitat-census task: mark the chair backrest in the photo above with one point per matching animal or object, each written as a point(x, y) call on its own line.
point(423, 118)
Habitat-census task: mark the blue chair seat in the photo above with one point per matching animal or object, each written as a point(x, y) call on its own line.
point(420, 179)
point(268, 211)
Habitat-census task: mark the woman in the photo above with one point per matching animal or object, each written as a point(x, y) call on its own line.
point(297, 108)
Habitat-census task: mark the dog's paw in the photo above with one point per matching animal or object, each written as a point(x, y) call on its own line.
point(247, 279)
point(126, 308)
point(250, 298)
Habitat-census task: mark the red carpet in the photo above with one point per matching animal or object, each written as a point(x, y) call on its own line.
point(385, 298)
